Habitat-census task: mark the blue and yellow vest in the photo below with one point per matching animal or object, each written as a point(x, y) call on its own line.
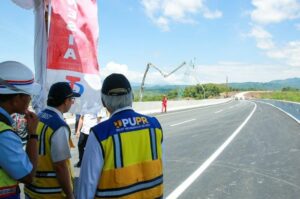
point(8, 186)
point(45, 183)
point(132, 153)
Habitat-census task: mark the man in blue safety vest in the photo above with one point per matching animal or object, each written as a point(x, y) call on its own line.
point(54, 175)
point(123, 155)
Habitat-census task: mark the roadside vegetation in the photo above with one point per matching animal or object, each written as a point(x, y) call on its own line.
point(288, 94)
point(198, 91)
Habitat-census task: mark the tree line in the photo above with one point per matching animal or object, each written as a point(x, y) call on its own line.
point(198, 91)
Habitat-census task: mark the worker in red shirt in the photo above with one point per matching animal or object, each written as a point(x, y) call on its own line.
point(164, 104)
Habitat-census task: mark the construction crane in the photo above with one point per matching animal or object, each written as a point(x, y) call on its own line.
point(160, 71)
point(194, 75)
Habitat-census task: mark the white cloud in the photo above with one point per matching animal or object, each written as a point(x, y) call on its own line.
point(263, 38)
point(113, 67)
point(162, 12)
point(211, 14)
point(275, 11)
point(288, 52)
point(243, 72)
point(292, 51)
point(163, 23)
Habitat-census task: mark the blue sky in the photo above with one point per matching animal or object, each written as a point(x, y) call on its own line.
point(246, 40)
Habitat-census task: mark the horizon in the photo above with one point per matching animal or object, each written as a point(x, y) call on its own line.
point(135, 84)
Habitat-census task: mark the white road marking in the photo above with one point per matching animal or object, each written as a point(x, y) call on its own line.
point(183, 122)
point(184, 185)
point(281, 110)
point(192, 109)
point(219, 111)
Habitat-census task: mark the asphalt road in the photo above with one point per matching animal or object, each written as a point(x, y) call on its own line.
point(261, 160)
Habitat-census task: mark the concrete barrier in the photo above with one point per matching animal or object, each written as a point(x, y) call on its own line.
point(155, 106)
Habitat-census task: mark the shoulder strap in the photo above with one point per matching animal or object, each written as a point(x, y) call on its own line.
point(7, 122)
point(4, 119)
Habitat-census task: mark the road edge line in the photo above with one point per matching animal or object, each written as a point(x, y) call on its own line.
point(290, 115)
point(186, 183)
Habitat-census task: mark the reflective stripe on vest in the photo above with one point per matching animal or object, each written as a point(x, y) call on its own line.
point(153, 144)
point(132, 164)
point(45, 183)
point(120, 192)
point(40, 190)
point(42, 141)
point(7, 191)
point(118, 151)
point(45, 174)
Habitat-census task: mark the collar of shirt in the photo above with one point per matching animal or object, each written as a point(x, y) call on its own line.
point(56, 111)
point(5, 113)
point(121, 109)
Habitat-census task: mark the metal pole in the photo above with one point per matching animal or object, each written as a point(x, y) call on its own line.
point(143, 82)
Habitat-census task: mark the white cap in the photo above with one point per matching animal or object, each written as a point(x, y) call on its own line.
point(17, 78)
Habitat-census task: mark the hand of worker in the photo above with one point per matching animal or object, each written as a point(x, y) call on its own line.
point(77, 134)
point(32, 122)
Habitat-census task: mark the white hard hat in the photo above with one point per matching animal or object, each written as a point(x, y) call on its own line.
point(17, 78)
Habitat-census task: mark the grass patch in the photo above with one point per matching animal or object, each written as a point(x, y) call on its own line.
point(293, 96)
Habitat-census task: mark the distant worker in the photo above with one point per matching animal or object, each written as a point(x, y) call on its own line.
point(164, 104)
point(77, 117)
point(85, 123)
point(16, 87)
point(123, 156)
point(54, 176)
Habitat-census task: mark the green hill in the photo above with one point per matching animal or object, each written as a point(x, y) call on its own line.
point(272, 85)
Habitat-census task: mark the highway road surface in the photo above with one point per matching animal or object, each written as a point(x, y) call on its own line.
point(236, 150)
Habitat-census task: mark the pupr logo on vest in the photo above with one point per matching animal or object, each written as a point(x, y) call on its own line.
point(133, 121)
point(45, 115)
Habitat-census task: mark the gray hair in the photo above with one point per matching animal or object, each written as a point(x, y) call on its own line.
point(116, 102)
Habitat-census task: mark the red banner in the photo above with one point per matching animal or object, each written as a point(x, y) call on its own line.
point(73, 36)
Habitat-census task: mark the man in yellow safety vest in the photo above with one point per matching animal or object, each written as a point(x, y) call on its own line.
point(16, 87)
point(54, 175)
point(123, 155)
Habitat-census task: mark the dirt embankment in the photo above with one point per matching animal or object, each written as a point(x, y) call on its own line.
point(255, 94)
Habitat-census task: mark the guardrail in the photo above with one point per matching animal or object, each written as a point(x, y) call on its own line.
point(292, 108)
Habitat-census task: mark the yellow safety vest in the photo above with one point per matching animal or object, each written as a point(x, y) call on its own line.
point(132, 157)
point(8, 186)
point(45, 184)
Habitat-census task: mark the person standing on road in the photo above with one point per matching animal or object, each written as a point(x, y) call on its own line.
point(77, 117)
point(164, 104)
point(16, 165)
point(85, 123)
point(123, 156)
point(54, 176)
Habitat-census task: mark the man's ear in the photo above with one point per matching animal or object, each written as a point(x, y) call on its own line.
point(65, 101)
